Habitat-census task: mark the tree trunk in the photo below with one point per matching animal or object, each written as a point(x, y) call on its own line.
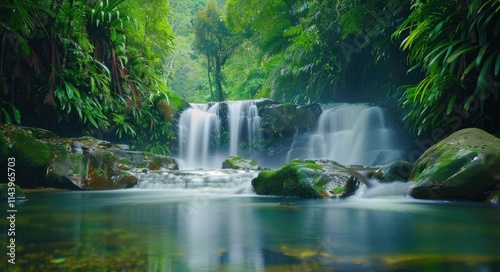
point(218, 78)
point(209, 78)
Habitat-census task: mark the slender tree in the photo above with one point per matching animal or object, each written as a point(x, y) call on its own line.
point(214, 40)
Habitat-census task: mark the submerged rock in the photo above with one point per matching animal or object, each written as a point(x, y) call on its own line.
point(238, 163)
point(465, 165)
point(307, 179)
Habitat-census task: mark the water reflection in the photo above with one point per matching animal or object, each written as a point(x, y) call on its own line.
point(186, 230)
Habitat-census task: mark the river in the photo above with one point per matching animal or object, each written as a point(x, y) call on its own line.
point(210, 229)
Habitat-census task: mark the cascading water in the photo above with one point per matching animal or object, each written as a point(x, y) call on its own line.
point(346, 133)
point(350, 134)
point(201, 129)
point(243, 117)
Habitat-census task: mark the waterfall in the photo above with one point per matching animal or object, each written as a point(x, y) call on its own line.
point(349, 134)
point(202, 132)
point(243, 117)
point(353, 134)
point(199, 130)
point(346, 133)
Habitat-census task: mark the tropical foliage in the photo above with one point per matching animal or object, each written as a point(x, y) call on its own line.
point(213, 39)
point(99, 62)
point(317, 50)
point(456, 44)
point(110, 65)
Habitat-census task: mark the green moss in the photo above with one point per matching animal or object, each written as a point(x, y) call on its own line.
point(462, 166)
point(125, 161)
point(4, 192)
point(293, 179)
point(338, 190)
point(27, 150)
point(235, 162)
point(4, 148)
point(78, 161)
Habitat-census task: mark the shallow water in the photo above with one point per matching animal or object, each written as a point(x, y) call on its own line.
point(208, 230)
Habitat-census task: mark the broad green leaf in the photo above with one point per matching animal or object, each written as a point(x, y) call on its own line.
point(17, 113)
point(7, 117)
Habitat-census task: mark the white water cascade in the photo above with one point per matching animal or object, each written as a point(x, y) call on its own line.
point(198, 127)
point(350, 134)
point(243, 117)
point(201, 131)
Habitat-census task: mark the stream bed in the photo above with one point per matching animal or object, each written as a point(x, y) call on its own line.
point(212, 229)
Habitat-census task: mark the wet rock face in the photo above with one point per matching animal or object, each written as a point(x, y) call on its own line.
point(287, 118)
point(465, 165)
point(76, 163)
point(88, 163)
point(307, 179)
point(394, 171)
point(31, 155)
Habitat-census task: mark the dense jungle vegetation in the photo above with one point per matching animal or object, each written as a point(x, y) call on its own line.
point(122, 68)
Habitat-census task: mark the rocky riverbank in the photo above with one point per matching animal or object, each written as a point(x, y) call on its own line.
point(463, 166)
point(45, 160)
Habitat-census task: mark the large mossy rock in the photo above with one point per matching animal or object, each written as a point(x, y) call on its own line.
point(465, 165)
point(31, 155)
point(235, 162)
point(45, 160)
point(307, 179)
point(91, 164)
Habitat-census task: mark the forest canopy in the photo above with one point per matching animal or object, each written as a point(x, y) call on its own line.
point(122, 66)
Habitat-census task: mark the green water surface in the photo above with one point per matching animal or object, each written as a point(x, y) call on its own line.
point(183, 230)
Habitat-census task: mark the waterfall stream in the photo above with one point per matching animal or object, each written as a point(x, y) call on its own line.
point(349, 134)
point(203, 132)
point(346, 133)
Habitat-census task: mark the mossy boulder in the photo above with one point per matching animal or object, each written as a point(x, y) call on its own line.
point(4, 192)
point(31, 155)
point(45, 160)
point(235, 162)
point(394, 171)
point(465, 165)
point(306, 179)
point(91, 164)
point(4, 148)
